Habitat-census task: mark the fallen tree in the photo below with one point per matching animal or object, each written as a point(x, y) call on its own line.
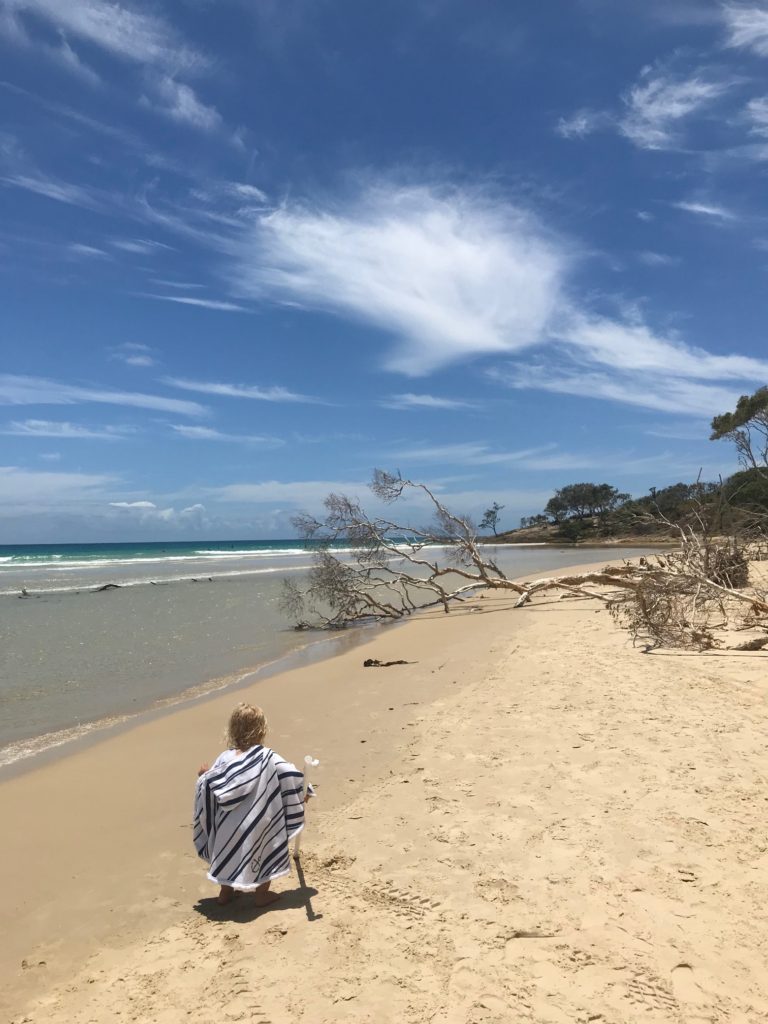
point(374, 567)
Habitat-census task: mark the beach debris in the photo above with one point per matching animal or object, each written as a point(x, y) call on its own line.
point(107, 586)
point(375, 663)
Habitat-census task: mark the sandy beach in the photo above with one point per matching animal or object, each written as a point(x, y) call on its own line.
point(530, 821)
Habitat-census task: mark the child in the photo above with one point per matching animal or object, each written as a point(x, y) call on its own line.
point(248, 805)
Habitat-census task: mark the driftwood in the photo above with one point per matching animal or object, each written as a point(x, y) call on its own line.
point(691, 597)
point(375, 663)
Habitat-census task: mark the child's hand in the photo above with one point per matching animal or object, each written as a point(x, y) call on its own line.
point(202, 769)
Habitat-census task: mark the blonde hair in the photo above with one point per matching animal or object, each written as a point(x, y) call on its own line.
point(247, 727)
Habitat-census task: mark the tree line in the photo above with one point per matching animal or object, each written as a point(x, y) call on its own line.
point(579, 508)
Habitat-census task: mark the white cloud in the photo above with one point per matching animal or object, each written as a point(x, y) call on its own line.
point(271, 394)
point(747, 26)
point(584, 122)
point(227, 307)
point(299, 493)
point(27, 490)
point(116, 27)
point(635, 347)
point(22, 390)
point(216, 191)
point(140, 246)
point(657, 259)
point(657, 105)
point(184, 285)
point(450, 274)
point(49, 428)
point(711, 210)
point(665, 394)
point(90, 251)
point(179, 102)
point(67, 58)
point(133, 353)
point(243, 191)
point(60, 191)
point(471, 453)
point(209, 434)
point(147, 512)
point(757, 112)
point(627, 362)
point(411, 401)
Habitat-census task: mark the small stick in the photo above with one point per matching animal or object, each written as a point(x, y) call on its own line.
point(309, 762)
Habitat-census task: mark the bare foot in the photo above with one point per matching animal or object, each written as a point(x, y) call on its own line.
point(266, 899)
point(263, 897)
point(226, 895)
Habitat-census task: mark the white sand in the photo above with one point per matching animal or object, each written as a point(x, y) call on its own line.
point(533, 822)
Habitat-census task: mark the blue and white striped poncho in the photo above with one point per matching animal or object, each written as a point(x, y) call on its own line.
point(247, 807)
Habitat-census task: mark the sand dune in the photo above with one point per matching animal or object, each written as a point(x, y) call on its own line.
point(533, 822)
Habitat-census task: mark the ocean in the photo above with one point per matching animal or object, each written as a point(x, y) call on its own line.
point(180, 620)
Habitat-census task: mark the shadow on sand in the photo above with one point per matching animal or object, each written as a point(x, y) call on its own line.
point(243, 909)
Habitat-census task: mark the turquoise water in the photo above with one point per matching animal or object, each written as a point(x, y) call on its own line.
point(26, 554)
point(61, 567)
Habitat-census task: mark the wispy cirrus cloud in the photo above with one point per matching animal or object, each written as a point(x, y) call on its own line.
point(121, 29)
point(411, 401)
point(757, 112)
point(584, 122)
point(705, 209)
point(179, 102)
point(194, 433)
point(133, 353)
point(182, 285)
point(59, 191)
point(29, 491)
point(447, 273)
point(657, 259)
point(65, 56)
point(658, 104)
point(218, 304)
point(452, 276)
point(631, 345)
point(672, 395)
point(88, 251)
point(747, 26)
point(654, 109)
point(259, 394)
point(24, 390)
point(64, 430)
point(139, 246)
point(625, 361)
point(471, 453)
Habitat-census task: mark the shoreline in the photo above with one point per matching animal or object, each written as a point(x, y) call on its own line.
point(506, 825)
point(286, 648)
point(64, 742)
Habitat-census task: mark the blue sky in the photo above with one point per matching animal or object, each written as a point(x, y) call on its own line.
point(252, 249)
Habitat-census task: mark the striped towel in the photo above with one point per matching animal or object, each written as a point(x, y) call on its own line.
point(247, 807)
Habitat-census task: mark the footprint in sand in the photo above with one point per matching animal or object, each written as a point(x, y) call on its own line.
point(471, 998)
point(697, 1007)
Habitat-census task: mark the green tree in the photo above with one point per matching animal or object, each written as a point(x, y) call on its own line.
point(747, 427)
point(490, 518)
point(584, 500)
